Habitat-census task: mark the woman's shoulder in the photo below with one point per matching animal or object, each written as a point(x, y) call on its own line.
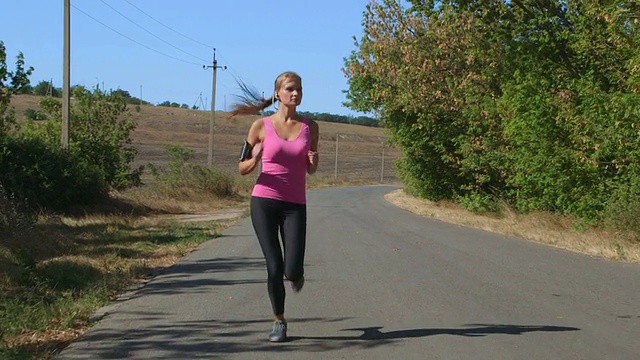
point(308, 121)
point(258, 123)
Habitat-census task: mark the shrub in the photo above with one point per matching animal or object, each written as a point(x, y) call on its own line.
point(623, 209)
point(48, 177)
point(484, 98)
point(33, 114)
point(478, 202)
point(15, 213)
point(99, 134)
point(179, 175)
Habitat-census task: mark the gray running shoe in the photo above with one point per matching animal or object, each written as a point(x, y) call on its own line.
point(297, 285)
point(279, 331)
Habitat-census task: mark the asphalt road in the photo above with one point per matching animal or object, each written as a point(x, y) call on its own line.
point(382, 283)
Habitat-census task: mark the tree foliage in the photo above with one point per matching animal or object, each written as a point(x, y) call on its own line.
point(99, 133)
point(7, 115)
point(46, 88)
point(532, 102)
point(20, 83)
point(343, 119)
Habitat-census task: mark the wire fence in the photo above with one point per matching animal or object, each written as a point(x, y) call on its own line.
point(342, 156)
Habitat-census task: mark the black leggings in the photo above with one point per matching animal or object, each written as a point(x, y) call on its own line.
point(268, 216)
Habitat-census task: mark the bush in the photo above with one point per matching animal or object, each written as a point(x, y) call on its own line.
point(484, 98)
point(33, 114)
point(623, 209)
point(99, 135)
point(478, 202)
point(210, 180)
point(179, 175)
point(15, 213)
point(48, 177)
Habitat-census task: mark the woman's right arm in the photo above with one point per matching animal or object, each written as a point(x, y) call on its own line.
point(254, 138)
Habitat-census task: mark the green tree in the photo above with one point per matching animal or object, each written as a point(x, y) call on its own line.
point(430, 74)
point(46, 88)
point(99, 133)
point(7, 114)
point(20, 83)
point(125, 94)
point(532, 102)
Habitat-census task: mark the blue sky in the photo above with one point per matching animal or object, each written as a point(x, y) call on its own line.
point(255, 39)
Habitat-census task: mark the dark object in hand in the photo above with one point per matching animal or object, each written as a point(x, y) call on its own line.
point(246, 151)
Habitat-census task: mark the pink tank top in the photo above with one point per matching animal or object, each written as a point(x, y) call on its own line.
point(284, 165)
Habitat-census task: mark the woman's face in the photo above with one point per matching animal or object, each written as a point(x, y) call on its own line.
point(290, 93)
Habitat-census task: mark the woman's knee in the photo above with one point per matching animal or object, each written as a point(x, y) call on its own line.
point(275, 273)
point(293, 275)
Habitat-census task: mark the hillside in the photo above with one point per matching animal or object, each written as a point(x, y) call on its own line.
point(360, 154)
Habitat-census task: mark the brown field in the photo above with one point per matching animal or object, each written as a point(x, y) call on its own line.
point(360, 148)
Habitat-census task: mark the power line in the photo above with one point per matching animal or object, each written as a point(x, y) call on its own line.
point(236, 73)
point(149, 32)
point(230, 67)
point(158, 21)
point(130, 39)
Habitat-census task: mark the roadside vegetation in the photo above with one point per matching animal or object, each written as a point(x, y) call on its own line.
point(530, 107)
point(77, 226)
point(62, 257)
point(511, 117)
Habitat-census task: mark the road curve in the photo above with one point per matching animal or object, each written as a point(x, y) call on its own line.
point(382, 283)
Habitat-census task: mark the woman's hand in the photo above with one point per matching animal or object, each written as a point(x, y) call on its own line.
point(313, 158)
point(312, 155)
point(313, 161)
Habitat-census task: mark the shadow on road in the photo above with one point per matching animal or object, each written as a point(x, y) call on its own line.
point(474, 330)
point(197, 338)
point(196, 276)
point(211, 338)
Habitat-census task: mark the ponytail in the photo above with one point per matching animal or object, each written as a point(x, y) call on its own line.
point(250, 102)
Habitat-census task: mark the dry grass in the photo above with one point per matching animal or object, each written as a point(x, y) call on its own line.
point(359, 154)
point(54, 276)
point(543, 228)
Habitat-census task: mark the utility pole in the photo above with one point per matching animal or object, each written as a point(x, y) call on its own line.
point(213, 104)
point(66, 71)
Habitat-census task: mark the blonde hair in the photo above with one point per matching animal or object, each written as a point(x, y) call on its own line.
point(251, 102)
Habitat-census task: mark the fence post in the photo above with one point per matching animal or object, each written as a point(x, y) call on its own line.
point(335, 173)
point(382, 172)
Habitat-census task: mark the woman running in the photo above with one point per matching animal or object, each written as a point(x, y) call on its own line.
point(287, 145)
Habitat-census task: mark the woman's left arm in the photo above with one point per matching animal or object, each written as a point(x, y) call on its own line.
point(312, 162)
